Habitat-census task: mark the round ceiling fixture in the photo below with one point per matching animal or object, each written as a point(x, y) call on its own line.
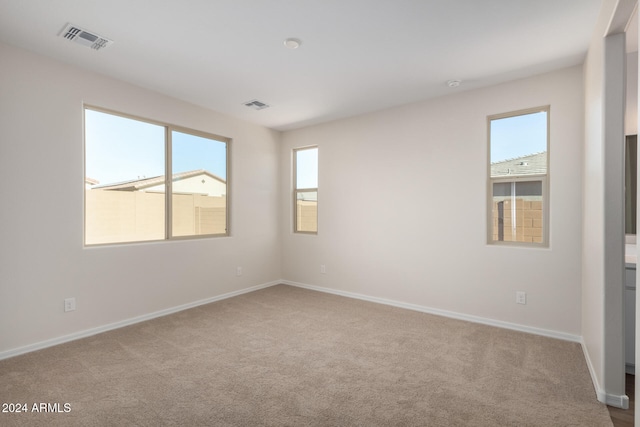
point(292, 43)
point(454, 83)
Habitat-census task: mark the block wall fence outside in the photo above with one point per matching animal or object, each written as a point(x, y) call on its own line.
point(307, 215)
point(130, 216)
point(529, 221)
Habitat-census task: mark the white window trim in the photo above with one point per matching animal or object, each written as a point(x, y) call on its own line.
point(168, 181)
point(302, 190)
point(545, 178)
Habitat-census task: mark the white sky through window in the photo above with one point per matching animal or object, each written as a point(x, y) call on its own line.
point(121, 149)
point(307, 168)
point(192, 152)
point(518, 136)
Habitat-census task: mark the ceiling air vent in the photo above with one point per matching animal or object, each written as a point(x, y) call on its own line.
point(256, 105)
point(84, 37)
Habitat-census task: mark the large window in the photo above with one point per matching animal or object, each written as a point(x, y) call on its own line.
point(150, 181)
point(305, 177)
point(519, 177)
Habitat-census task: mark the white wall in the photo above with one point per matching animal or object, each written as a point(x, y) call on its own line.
point(425, 244)
point(419, 234)
point(42, 259)
point(614, 146)
point(593, 211)
point(603, 238)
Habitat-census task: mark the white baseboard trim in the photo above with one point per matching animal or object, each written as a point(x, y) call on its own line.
point(94, 331)
point(601, 395)
point(451, 314)
point(476, 319)
point(617, 401)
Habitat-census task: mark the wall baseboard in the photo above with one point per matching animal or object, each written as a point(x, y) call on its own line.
point(451, 314)
point(616, 400)
point(94, 331)
point(609, 399)
point(601, 395)
point(619, 401)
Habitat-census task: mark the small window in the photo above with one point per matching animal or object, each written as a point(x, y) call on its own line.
point(519, 177)
point(148, 181)
point(305, 184)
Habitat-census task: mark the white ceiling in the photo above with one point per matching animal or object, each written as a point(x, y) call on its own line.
point(356, 56)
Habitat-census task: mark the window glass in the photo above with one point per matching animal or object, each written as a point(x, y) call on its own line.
point(307, 168)
point(518, 211)
point(518, 175)
point(519, 145)
point(199, 187)
point(306, 190)
point(126, 181)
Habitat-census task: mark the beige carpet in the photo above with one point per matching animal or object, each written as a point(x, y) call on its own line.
point(285, 356)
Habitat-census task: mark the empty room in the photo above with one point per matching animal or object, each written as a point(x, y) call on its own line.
point(324, 213)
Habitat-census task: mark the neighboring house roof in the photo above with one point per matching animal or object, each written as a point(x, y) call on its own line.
point(90, 181)
point(530, 164)
point(141, 184)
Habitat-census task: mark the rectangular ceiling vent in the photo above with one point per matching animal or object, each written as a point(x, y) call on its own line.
point(256, 105)
point(84, 37)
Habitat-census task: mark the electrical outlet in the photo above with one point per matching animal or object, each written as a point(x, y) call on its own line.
point(239, 271)
point(323, 269)
point(69, 304)
point(521, 297)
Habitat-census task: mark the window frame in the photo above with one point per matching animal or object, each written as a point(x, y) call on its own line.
point(297, 190)
point(543, 178)
point(168, 175)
